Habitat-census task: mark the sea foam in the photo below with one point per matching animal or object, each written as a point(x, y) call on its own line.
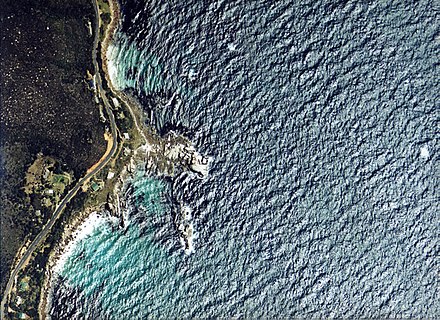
point(85, 230)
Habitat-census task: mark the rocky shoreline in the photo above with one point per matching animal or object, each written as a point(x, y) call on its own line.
point(157, 155)
point(71, 234)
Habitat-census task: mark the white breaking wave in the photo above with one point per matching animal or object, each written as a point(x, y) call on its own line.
point(83, 231)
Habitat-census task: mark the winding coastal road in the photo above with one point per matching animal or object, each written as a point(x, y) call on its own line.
point(59, 209)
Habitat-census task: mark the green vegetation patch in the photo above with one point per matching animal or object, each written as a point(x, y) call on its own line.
point(62, 178)
point(104, 6)
point(24, 284)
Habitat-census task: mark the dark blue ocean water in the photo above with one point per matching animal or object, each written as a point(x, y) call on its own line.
point(322, 119)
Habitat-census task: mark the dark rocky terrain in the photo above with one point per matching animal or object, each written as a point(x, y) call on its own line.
point(46, 104)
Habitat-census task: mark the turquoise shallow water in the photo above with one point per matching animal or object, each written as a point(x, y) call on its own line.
point(123, 269)
point(130, 65)
point(322, 121)
point(124, 281)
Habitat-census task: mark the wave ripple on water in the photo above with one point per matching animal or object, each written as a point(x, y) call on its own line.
point(322, 120)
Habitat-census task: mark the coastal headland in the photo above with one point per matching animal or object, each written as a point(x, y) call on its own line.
point(129, 142)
